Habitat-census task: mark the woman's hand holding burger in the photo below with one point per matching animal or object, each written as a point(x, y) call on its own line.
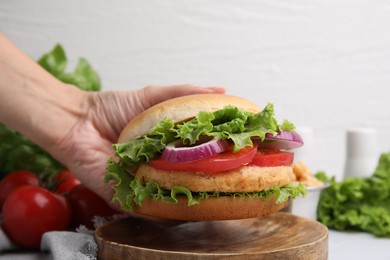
point(77, 128)
point(86, 140)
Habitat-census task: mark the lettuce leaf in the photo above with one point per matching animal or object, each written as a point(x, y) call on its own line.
point(18, 152)
point(138, 151)
point(131, 192)
point(84, 76)
point(359, 203)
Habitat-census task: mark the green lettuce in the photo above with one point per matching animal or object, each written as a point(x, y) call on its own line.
point(359, 203)
point(131, 192)
point(84, 76)
point(228, 123)
point(18, 152)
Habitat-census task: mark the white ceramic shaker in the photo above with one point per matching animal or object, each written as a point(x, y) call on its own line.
point(361, 152)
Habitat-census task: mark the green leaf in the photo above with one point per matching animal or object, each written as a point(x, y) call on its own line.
point(54, 61)
point(90, 79)
point(186, 192)
point(191, 131)
point(359, 204)
point(138, 151)
point(17, 152)
point(321, 176)
point(164, 130)
point(287, 125)
point(265, 119)
point(230, 119)
point(122, 184)
point(84, 76)
point(131, 192)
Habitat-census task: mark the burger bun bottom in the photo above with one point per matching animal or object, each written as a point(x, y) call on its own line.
point(220, 208)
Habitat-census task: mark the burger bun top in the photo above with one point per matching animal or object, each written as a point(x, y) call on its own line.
point(181, 109)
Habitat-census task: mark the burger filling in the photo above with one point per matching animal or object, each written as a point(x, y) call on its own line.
point(209, 151)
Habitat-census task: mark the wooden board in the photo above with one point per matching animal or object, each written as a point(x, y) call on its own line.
point(280, 236)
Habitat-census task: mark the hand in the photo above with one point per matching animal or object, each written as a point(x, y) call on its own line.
point(84, 146)
point(75, 127)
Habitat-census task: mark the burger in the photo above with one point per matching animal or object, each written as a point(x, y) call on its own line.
point(205, 157)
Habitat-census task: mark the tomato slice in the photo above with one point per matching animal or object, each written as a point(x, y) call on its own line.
point(269, 158)
point(225, 161)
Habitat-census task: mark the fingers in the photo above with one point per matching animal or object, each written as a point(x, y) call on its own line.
point(155, 94)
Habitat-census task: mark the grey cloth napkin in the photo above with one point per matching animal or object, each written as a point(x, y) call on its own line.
point(69, 245)
point(55, 245)
point(58, 245)
point(5, 243)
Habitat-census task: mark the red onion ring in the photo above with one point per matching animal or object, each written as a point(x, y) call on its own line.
point(173, 153)
point(283, 140)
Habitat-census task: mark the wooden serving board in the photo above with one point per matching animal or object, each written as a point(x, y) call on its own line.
point(280, 236)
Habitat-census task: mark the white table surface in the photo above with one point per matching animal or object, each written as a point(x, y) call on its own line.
point(342, 246)
point(349, 245)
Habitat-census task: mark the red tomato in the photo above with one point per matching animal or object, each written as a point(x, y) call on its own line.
point(30, 211)
point(225, 161)
point(14, 180)
point(86, 204)
point(269, 158)
point(65, 181)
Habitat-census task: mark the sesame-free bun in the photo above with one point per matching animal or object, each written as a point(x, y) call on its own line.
point(181, 109)
point(220, 208)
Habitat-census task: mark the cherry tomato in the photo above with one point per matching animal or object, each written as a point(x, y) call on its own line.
point(225, 161)
point(269, 158)
point(30, 211)
point(14, 180)
point(65, 182)
point(86, 204)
